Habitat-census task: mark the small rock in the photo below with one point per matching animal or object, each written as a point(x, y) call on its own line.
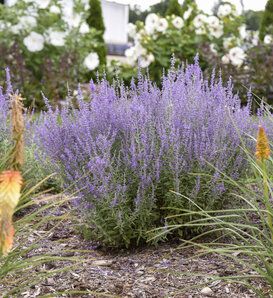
point(150, 279)
point(207, 291)
point(140, 272)
point(50, 281)
point(102, 263)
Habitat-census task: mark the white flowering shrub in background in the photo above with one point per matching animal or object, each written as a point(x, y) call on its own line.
point(218, 38)
point(44, 38)
point(158, 38)
point(250, 62)
point(244, 56)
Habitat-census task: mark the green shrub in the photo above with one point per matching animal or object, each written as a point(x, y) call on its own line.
point(267, 20)
point(45, 44)
point(95, 20)
point(174, 8)
point(253, 19)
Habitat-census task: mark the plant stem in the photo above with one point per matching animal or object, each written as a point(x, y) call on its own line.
point(266, 197)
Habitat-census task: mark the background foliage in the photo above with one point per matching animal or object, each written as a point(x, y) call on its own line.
point(267, 20)
point(46, 45)
point(95, 20)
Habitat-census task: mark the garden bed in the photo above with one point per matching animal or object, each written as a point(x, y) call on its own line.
point(162, 271)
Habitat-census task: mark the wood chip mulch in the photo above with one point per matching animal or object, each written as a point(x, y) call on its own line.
point(154, 272)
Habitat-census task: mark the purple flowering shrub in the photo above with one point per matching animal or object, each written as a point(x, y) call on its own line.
point(4, 114)
point(126, 148)
point(4, 106)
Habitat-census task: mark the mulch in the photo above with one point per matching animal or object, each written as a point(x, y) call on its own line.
point(163, 271)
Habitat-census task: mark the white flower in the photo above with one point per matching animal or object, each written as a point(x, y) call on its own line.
point(74, 20)
point(187, 13)
point(199, 21)
point(130, 52)
point(131, 56)
point(16, 29)
point(200, 30)
point(67, 9)
point(91, 61)
point(162, 25)
point(139, 35)
point(213, 48)
point(216, 32)
point(145, 61)
point(55, 9)
point(34, 42)
point(151, 23)
point(86, 4)
point(140, 50)
point(178, 23)
point(84, 28)
point(224, 10)
point(236, 56)
point(227, 43)
point(242, 31)
point(213, 21)
point(268, 39)
point(225, 59)
point(11, 2)
point(27, 22)
point(131, 29)
point(255, 38)
point(2, 25)
point(56, 38)
point(151, 57)
point(42, 4)
point(31, 11)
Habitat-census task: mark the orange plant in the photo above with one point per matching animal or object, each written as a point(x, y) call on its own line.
point(11, 180)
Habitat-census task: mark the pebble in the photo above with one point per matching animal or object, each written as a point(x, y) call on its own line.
point(102, 263)
point(140, 272)
point(207, 291)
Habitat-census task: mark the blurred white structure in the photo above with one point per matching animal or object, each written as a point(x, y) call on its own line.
point(116, 17)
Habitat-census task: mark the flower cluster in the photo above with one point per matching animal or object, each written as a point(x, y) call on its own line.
point(10, 188)
point(4, 110)
point(262, 147)
point(194, 28)
point(126, 148)
point(222, 32)
point(50, 23)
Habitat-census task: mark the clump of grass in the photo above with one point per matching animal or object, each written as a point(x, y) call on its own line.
point(242, 234)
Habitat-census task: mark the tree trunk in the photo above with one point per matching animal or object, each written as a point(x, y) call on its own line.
point(242, 4)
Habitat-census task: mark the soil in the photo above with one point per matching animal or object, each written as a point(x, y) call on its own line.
point(163, 271)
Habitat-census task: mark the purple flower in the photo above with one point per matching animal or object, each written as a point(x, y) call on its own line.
point(127, 147)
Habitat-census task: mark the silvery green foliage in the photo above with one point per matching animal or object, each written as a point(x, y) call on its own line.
point(123, 150)
point(4, 109)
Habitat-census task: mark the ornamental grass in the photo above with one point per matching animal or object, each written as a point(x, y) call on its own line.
point(241, 234)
